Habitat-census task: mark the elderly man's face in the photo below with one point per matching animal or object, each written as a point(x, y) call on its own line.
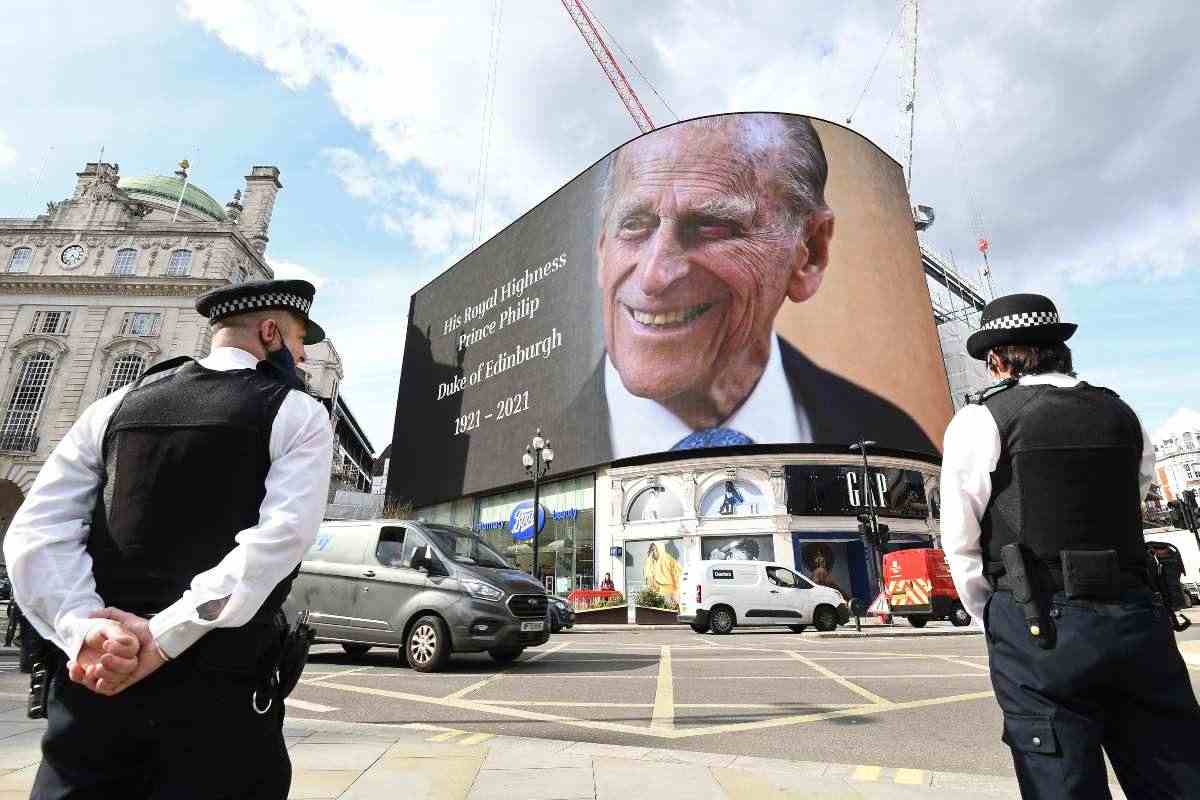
point(695, 259)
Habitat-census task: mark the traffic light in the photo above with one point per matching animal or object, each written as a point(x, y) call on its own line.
point(877, 536)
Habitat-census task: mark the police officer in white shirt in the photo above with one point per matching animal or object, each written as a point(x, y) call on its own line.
point(1041, 486)
point(155, 550)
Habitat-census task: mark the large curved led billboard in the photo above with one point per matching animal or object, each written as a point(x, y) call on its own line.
point(725, 281)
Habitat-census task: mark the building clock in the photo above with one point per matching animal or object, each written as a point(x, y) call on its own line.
point(72, 256)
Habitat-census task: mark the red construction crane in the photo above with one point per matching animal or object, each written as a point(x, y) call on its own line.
point(587, 29)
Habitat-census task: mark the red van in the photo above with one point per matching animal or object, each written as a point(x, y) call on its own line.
point(918, 586)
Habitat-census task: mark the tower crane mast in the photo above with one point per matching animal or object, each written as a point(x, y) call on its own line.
point(587, 29)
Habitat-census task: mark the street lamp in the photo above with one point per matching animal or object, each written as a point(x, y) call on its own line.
point(869, 522)
point(537, 458)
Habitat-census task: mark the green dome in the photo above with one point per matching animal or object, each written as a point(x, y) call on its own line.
point(164, 189)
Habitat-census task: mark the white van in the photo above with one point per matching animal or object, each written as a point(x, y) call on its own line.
point(718, 595)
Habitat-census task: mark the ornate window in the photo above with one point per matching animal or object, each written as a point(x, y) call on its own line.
point(125, 370)
point(20, 259)
point(18, 432)
point(125, 262)
point(140, 323)
point(180, 264)
point(52, 322)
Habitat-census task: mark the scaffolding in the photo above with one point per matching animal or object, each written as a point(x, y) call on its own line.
point(957, 305)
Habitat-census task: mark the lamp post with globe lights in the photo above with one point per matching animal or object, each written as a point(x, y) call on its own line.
point(537, 458)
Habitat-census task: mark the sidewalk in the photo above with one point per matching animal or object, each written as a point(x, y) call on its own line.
point(355, 761)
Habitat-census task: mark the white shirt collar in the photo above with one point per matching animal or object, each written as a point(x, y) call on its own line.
point(1051, 378)
point(770, 415)
point(224, 359)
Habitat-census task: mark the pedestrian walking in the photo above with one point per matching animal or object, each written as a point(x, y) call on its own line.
point(155, 551)
point(1041, 487)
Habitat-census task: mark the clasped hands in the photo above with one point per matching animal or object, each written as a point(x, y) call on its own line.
point(116, 653)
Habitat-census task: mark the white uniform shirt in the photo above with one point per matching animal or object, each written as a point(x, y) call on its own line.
point(51, 570)
point(770, 415)
point(971, 451)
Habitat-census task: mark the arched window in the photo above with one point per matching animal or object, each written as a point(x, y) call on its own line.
point(180, 264)
point(125, 262)
point(125, 370)
point(20, 259)
point(25, 404)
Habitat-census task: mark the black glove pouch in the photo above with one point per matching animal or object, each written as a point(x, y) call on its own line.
point(1091, 574)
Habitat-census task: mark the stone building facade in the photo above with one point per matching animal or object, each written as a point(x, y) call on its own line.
point(102, 285)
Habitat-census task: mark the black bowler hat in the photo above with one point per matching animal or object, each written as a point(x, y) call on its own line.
point(1018, 319)
point(295, 296)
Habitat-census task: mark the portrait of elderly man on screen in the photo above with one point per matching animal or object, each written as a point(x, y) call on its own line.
point(707, 229)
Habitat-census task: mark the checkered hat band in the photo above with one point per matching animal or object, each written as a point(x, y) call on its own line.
point(1028, 319)
point(256, 302)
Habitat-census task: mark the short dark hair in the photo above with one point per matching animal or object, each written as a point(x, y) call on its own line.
point(1035, 359)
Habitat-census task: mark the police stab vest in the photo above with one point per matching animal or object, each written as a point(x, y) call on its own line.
point(186, 456)
point(1067, 478)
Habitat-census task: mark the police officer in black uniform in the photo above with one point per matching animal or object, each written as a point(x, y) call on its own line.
point(1041, 484)
point(155, 551)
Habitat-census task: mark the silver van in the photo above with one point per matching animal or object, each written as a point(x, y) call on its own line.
point(427, 589)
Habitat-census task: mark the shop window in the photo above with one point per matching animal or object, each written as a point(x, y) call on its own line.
point(733, 498)
point(653, 503)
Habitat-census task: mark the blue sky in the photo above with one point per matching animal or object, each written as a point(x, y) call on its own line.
point(1073, 156)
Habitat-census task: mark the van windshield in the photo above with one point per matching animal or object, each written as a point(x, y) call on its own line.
point(465, 547)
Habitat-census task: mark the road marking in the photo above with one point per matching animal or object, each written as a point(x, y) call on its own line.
point(865, 773)
point(637, 730)
point(466, 690)
point(306, 706)
point(962, 663)
point(841, 681)
point(327, 675)
point(912, 777)
point(663, 716)
point(476, 738)
point(445, 737)
point(755, 706)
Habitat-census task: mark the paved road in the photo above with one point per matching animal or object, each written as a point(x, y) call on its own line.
point(912, 702)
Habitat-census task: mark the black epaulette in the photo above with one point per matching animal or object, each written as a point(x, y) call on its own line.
point(983, 395)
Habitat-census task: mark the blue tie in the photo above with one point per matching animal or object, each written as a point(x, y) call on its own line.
point(712, 437)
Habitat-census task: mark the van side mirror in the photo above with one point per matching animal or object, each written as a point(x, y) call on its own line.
point(422, 558)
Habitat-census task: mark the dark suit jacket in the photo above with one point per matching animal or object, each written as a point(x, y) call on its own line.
point(839, 413)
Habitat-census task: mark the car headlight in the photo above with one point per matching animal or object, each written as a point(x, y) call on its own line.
point(481, 590)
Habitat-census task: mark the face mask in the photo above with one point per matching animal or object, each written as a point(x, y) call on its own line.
point(285, 367)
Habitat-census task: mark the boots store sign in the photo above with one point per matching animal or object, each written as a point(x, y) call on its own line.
point(520, 521)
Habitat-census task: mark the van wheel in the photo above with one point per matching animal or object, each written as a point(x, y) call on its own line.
point(917, 620)
point(356, 650)
point(825, 618)
point(960, 617)
point(698, 628)
point(721, 620)
point(503, 655)
point(797, 628)
point(428, 644)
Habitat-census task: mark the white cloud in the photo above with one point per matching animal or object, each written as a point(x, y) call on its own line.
point(290, 270)
point(1185, 419)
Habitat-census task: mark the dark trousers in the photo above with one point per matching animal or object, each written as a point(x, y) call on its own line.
point(185, 733)
point(1114, 682)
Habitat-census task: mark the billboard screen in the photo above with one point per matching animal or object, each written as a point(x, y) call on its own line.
point(731, 280)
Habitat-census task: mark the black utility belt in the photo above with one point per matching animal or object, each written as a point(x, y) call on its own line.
point(1083, 575)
